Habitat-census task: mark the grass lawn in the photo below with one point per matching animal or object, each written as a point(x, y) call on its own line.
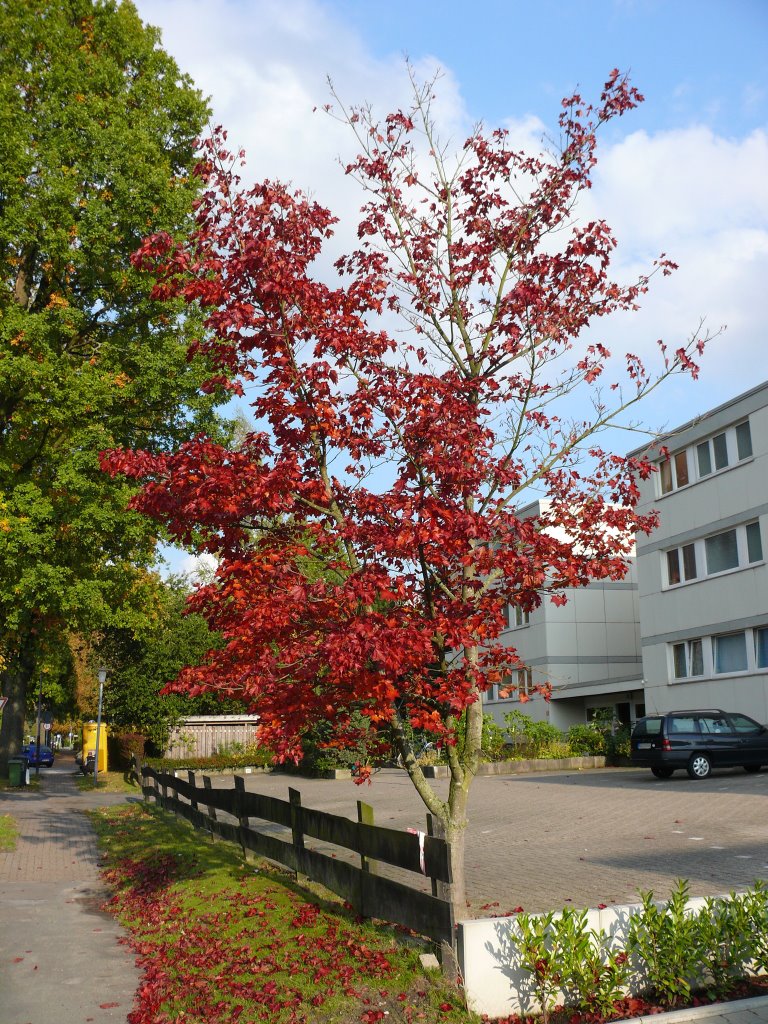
point(221, 940)
point(8, 832)
point(110, 782)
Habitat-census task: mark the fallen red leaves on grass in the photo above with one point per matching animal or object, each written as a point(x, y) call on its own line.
point(216, 965)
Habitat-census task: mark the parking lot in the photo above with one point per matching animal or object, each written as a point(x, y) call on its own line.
point(543, 840)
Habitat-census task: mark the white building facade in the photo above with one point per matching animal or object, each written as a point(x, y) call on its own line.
point(702, 575)
point(588, 650)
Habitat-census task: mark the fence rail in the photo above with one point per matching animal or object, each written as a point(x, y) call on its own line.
point(371, 894)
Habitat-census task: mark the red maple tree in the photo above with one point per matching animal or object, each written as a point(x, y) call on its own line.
point(406, 413)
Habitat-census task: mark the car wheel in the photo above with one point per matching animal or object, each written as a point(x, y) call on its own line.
point(752, 768)
point(663, 773)
point(699, 767)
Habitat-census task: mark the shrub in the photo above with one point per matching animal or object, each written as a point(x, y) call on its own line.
point(586, 740)
point(534, 739)
point(725, 938)
point(674, 947)
point(617, 744)
point(494, 739)
point(663, 937)
point(122, 747)
point(252, 757)
point(756, 902)
point(320, 757)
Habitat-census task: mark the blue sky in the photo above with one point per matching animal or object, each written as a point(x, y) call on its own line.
point(704, 60)
point(686, 174)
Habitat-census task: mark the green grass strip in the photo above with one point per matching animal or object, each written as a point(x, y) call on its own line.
point(222, 940)
point(9, 832)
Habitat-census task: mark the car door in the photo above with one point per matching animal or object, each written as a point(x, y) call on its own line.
point(752, 740)
point(683, 736)
point(719, 739)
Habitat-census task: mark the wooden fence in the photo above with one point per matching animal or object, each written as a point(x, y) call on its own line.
point(371, 894)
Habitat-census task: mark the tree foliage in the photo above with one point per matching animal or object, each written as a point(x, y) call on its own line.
point(409, 411)
point(97, 143)
point(142, 663)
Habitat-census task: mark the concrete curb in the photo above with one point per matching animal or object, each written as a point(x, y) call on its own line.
point(737, 1006)
point(542, 764)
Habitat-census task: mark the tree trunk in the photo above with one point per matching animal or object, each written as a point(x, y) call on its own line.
point(15, 682)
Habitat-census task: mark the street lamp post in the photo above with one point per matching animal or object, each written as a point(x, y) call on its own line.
point(37, 734)
point(102, 677)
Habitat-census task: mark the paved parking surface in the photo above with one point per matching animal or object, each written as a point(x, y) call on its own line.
point(541, 841)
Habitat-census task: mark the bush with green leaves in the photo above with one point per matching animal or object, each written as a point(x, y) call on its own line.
point(725, 940)
point(676, 949)
point(565, 956)
point(532, 738)
point(617, 744)
point(664, 938)
point(586, 740)
point(756, 903)
point(252, 756)
point(319, 756)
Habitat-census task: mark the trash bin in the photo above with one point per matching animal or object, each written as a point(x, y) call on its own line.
point(17, 771)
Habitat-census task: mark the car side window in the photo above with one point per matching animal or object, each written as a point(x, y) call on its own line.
point(715, 725)
point(744, 725)
point(678, 725)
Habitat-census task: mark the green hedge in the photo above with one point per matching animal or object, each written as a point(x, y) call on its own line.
point(256, 757)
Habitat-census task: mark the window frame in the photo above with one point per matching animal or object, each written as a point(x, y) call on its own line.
point(717, 639)
point(721, 451)
point(676, 560)
point(687, 647)
point(705, 647)
point(513, 613)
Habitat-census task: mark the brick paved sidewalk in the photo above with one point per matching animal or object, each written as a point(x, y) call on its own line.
point(60, 956)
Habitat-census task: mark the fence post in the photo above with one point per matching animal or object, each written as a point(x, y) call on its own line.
point(365, 817)
point(444, 891)
point(191, 781)
point(135, 769)
point(242, 821)
point(211, 808)
point(294, 796)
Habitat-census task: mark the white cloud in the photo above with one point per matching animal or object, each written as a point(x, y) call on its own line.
point(703, 200)
point(197, 569)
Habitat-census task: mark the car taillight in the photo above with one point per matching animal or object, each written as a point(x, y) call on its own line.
point(665, 744)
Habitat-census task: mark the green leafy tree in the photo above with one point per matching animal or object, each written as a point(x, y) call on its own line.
point(142, 663)
point(97, 144)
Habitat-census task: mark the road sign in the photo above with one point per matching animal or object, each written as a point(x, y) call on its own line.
point(3, 702)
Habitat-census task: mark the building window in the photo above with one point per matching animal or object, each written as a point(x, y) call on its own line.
point(743, 441)
point(515, 617)
point(702, 657)
point(688, 659)
point(722, 552)
point(718, 452)
point(519, 682)
point(525, 681)
point(681, 564)
point(674, 472)
point(732, 549)
point(754, 543)
point(761, 647)
point(730, 652)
